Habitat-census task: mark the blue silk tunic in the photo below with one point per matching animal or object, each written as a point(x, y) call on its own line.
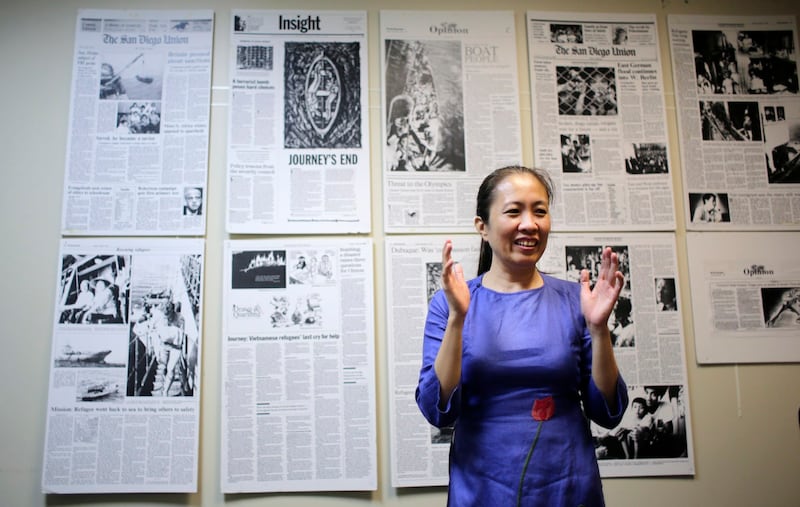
point(518, 347)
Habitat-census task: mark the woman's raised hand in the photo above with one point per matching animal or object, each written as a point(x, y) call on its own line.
point(598, 302)
point(453, 282)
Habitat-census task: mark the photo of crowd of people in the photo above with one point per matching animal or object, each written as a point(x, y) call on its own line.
point(646, 158)
point(138, 118)
point(425, 110)
point(744, 62)
point(588, 91)
point(560, 32)
point(654, 426)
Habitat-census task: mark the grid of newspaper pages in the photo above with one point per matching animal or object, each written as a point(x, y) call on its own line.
point(298, 402)
point(738, 111)
point(597, 79)
point(298, 130)
point(450, 111)
point(123, 402)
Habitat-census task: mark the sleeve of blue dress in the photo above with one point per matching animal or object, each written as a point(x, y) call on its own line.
point(437, 413)
point(594, 403)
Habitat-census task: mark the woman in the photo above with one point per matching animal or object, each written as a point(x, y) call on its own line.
point(517, 359)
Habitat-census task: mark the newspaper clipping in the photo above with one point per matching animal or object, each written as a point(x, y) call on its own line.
point(298, 398)
point(738, 110)
point(655, 436)
point(298, 132)
point(599, 123)
point(123, 408)
point(745, 297)
point(137, 148)
point(450, 113)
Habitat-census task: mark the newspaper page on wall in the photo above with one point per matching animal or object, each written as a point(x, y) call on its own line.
point(599, 122)
point(450, 113)
point(123, 411)
point(738, 111)
point(298, 131)
point(137, 147)
point(646, 328)
point(745, 296)
point(298, 366)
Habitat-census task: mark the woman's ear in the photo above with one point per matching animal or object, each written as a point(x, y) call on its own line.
point(480, 226)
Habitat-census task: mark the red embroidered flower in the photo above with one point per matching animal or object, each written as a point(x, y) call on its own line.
point(543, 409)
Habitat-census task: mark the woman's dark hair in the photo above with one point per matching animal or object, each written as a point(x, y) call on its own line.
point(486, 195)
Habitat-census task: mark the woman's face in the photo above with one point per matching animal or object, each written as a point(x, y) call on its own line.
point(519, 222)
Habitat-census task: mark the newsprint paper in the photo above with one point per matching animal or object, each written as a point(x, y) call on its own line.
point(137, 147)
point(450, 113)
point(738, 111)
point(745, 296)
point(124, 400)
point(646, 328)
point(599, 122)
point(298, 131)
point(298, 397)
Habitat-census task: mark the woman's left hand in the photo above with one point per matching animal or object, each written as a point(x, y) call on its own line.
point(598, 302)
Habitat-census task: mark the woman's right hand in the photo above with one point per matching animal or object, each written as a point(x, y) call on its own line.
point(453, 283)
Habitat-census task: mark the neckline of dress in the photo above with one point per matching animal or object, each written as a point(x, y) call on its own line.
point(516, 292)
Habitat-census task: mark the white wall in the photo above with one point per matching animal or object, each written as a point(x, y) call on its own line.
point(745, 418)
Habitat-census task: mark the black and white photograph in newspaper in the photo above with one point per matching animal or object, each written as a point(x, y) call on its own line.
point(666, 295)
point(424, 106)
point(322, 95)
point(255, 57)
point(709, 207)
point(783, 151)
point(164, 329)
point(143, 117)
point(94, 289)
point(781, 306)
point(131, 76)
point(260, 269)
point(646, 158)
point(566, 32)
point(587, 91)
point(576, 153)
point(654, 426)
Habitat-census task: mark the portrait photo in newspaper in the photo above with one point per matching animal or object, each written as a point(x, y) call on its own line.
point(322, 95)
point(425, 106)
point(709, 207)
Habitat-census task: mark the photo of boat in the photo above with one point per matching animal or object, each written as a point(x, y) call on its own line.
point(99, 391)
